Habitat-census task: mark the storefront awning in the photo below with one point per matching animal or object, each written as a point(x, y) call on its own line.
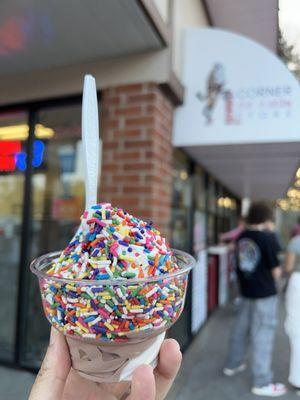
point(240, 117)
point(36, 35)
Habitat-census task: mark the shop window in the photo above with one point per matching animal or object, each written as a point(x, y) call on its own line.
point(199, 220)
point(212, 195)
point(13, 140)
point(58, 202)
point(181, 202)
point(181, 228)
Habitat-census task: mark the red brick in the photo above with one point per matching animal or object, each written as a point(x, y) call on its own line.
point(145, 214)
point(141, 98)
point(112, 123)
point(129, 133)
point(136, 123)
point(140, 121)
point(111, 145)
point(126, 202)
point(111, 168)
point(143, 189)
point(134, 87)
point(143, 144)
point(112, 101)
point(128, 111)
point(133, 156)
point(127, 178)
point(138, 165)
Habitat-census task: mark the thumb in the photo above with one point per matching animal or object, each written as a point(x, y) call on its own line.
point(51, 378)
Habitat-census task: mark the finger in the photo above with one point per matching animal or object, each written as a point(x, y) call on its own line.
point(79, 388)
point(143, 384)
point(167, 368)
point(51, 378)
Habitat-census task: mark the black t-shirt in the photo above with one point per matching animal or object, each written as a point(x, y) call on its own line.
point(275, 242)
point(256, 257)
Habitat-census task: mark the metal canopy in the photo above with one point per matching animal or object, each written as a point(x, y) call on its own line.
point(258, 171)
point(36, 34)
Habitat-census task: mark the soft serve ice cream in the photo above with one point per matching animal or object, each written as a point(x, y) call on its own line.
point(112, 244)
point(112, 286)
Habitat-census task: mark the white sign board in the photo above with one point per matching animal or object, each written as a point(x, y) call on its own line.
point(223, 278)
point(199, 292)
point(237, 91)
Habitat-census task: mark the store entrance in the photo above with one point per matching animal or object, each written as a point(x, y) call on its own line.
point(13, 141)
point(41, 200)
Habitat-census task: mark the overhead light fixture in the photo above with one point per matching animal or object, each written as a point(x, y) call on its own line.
point(183, 175)
point(227, 202)
point(298, 173)
point(289, 204)
point(20, 132)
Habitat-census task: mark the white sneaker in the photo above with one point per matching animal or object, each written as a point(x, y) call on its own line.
point(234, 371)
point(272, 390)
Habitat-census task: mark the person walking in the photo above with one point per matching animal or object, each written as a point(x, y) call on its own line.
point(295, 231)
point(292, 323)
point(257, 270)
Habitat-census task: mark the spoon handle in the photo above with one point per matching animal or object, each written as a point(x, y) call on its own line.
point(90, 139)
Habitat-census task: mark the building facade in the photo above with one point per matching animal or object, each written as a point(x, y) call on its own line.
point(134, 51)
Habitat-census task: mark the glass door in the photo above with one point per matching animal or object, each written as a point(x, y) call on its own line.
point(13, 141)
point(57, 204)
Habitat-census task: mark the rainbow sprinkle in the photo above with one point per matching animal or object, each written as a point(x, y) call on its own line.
point(113, 245)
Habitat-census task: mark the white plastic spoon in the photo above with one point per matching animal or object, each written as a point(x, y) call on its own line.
point(90, 143)
point(90, 140)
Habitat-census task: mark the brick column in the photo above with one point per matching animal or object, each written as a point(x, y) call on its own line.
point(136, 129)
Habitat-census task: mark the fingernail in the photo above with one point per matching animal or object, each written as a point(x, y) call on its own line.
point(178, 345)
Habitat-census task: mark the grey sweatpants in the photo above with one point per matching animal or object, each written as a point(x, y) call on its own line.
point(256, 320)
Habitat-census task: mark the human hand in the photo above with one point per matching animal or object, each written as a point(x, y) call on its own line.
point(58, 381)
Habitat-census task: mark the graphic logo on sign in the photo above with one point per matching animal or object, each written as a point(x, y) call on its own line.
point(216, 89)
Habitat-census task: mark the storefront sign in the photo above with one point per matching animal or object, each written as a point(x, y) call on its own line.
point(199, 292)
point(237, 91)
point(12, 157)
point(223, 277)
point(8, 151)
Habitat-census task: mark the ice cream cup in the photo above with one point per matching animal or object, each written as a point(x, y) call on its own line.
point(113, 325)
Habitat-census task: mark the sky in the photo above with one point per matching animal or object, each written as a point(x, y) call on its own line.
point(289, 21)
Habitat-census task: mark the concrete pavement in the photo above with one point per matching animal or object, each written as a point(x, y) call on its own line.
point(200, 377)
point(15, 384)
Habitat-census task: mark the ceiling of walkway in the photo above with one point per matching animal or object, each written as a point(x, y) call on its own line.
point(258, 171)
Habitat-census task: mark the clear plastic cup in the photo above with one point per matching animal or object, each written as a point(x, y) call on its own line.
point(114, 325)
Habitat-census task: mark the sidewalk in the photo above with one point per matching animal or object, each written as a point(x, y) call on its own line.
point(200, 377)
point(15, 384)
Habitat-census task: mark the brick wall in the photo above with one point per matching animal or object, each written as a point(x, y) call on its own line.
point(136, 129)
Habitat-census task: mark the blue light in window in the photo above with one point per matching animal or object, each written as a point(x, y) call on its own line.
point(38, 153)
point(37, 159)
point(21, 161)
